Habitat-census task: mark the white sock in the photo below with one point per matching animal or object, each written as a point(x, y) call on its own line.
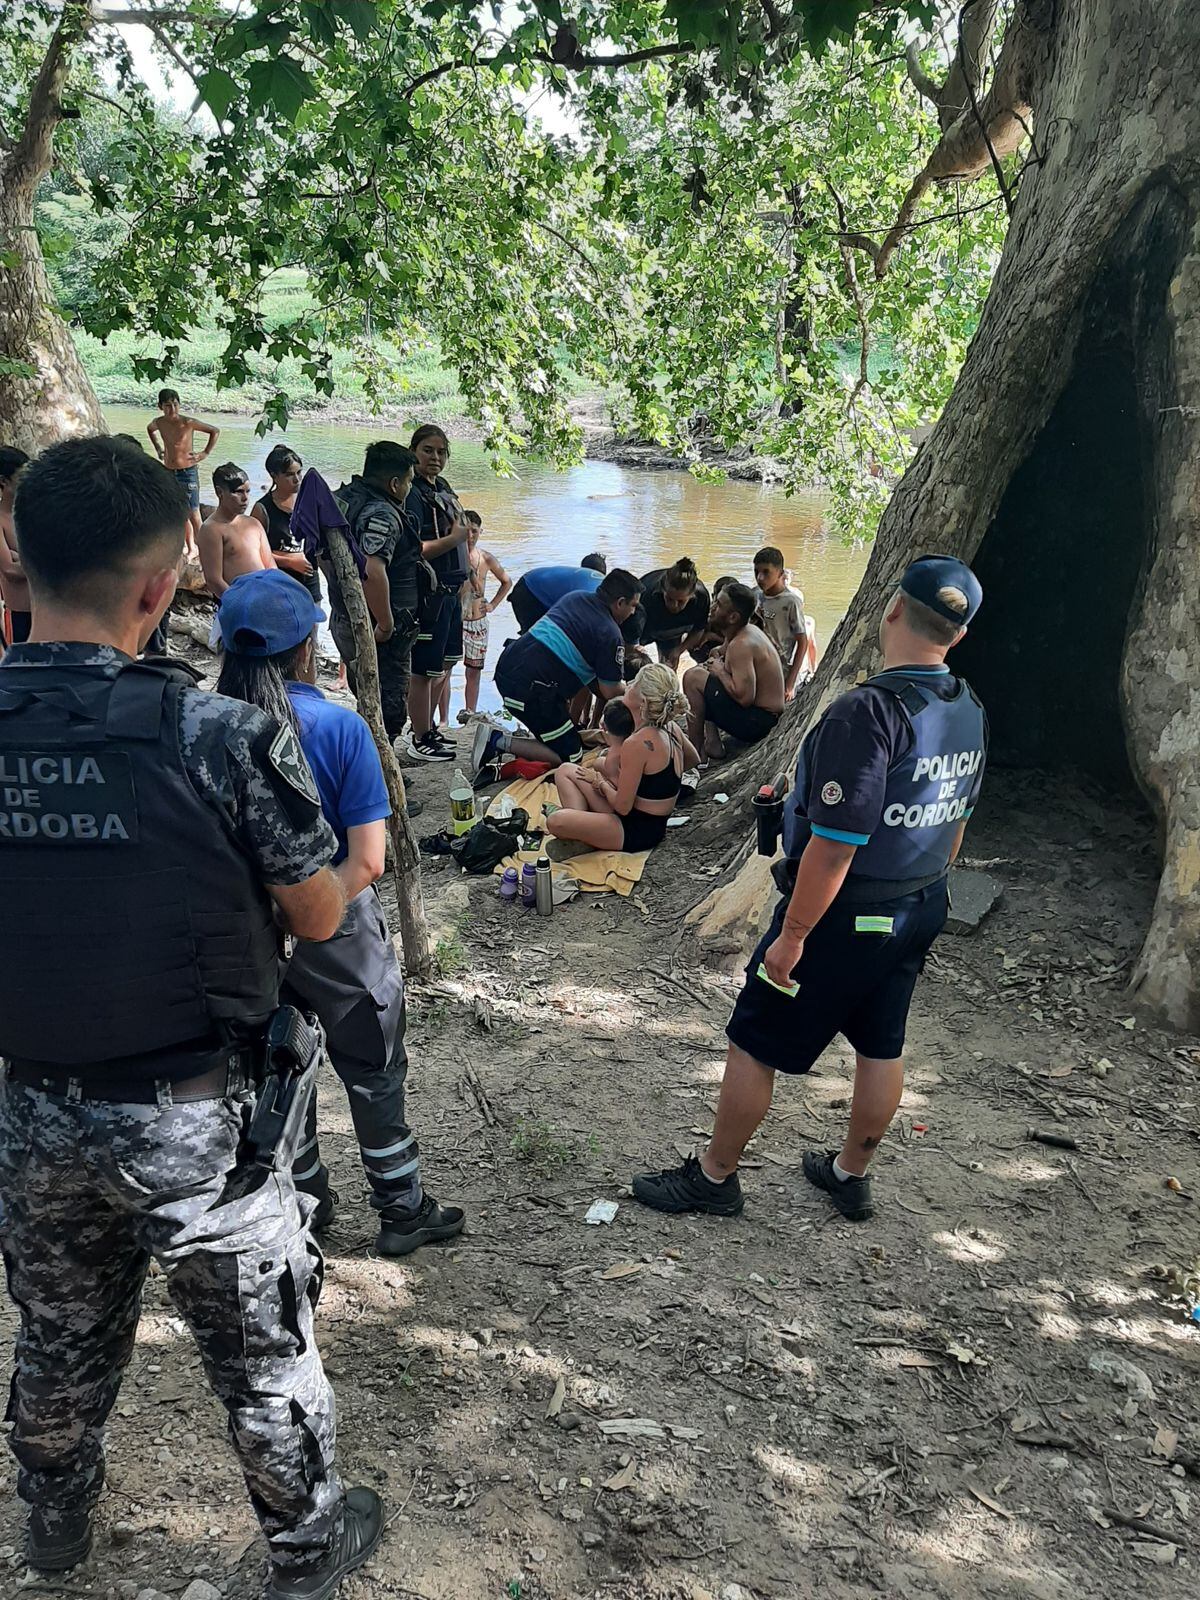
point(840, 1172)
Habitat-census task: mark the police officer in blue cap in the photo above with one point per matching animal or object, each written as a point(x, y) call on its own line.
point(352, 981)
point(885, 784)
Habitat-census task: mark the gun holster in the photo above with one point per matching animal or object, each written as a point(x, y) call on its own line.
point(292, 1048)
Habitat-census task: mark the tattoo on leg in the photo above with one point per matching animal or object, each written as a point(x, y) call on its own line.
point(871, 1144)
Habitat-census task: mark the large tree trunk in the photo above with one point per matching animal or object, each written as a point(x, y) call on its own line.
point(45, 394)
point(1085, 370)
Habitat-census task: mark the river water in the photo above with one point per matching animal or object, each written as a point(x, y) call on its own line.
point(639, 519)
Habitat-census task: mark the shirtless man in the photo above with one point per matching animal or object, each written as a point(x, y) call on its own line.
point(739, 689)
point(477, 608)
point(230, 541)
point(173, 437)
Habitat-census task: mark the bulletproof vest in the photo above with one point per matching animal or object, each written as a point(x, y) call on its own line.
point(439, 512)
point(134, 921)
point(928, 788)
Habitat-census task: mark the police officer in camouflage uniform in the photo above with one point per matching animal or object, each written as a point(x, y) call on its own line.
point(373, 505)
point(150, 836)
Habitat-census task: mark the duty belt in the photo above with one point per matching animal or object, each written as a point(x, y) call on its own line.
point(858, 891)
point(230, 1075)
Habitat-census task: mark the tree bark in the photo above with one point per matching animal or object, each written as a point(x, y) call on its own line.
point(406, 857)
point(45, 394)
point(1113, 199)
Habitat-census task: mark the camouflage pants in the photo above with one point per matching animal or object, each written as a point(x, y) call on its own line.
point(395, 668)
point(90, 1191)
point(354, 984)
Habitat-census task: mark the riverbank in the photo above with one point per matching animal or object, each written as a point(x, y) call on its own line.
point(978, 1394)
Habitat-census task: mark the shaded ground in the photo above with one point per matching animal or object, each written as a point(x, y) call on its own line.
point(903, 1408)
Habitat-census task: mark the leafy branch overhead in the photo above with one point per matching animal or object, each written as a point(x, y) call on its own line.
point(687, 235)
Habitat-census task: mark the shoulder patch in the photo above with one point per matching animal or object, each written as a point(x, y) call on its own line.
point(831, 794)
point(287, 758)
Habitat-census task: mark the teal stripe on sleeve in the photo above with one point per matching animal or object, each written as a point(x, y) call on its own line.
point(838, 836)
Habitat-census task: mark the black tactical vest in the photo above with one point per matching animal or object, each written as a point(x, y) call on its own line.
point(132, 920)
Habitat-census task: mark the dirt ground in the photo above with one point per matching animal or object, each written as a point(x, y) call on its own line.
point(781, 1406)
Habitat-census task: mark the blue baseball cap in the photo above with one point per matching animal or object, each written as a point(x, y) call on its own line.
point(266, 613)
point(926, 577)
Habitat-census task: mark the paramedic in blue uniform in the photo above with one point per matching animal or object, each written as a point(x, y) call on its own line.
point(885, 784)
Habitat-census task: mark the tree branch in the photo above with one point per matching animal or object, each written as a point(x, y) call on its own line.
point(146, 17)
point(577, 62)
point(29, 158)
point(918, 77)
point(969, 84)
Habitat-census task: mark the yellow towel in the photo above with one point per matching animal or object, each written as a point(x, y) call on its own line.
point(596, 872)
point(532, 794)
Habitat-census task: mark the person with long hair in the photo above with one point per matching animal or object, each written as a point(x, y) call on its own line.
point(673, 613)
point(274, 511)
point(631, 813)
point(352, 981)
point(443, 531)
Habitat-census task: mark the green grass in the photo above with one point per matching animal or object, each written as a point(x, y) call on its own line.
point(544, 1145)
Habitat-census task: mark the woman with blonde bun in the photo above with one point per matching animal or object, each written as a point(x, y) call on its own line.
point(631, 812)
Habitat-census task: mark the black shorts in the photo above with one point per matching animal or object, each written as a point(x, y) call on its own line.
point(856, 974)
point(747, 723)
point(439, 644)
point(643, 830)
point(542, 708)
point(527, 608)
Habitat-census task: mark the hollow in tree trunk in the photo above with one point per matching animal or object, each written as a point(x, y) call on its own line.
point(1085, 369)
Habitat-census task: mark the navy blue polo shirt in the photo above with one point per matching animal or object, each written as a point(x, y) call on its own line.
point(579, 630)
point(344, 761)
point(846, 760)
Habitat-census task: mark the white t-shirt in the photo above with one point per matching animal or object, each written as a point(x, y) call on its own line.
point(783, 620)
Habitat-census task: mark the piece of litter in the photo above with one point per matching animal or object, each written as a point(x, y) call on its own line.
point(601, 1211)
point(720, 799)
point(677, 821)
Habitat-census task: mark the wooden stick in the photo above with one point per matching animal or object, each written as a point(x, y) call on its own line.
point(406, 858)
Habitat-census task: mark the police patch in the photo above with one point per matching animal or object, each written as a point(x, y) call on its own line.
point(287, 758)
point(831, 794)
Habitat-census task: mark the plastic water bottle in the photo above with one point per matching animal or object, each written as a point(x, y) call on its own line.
point(509, 885)
point(543, 887)
point(529, 885)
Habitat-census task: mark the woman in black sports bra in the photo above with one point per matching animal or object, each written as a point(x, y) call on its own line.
point(632, 812)
point(274, 511)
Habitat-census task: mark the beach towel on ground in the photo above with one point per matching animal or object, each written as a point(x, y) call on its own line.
point(597, 872)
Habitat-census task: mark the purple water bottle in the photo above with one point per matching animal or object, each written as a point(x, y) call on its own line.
point(529, 885)
point(509, 886)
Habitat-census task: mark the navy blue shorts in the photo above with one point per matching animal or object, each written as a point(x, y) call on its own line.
point(856, 973)
point(542, 708)
point(439, 644)
point(189, 477)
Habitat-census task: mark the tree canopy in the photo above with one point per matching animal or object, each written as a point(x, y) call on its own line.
point(703, 238)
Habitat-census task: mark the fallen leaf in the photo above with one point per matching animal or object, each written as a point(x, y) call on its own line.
point(1129, 1022)
point(912, 1360)
point(1165, 1443)
point(986, 1500)
point(622, 1269)
point(1163, 1555)
point(964, 1355)
point(632, 1428)
point(557, 1398)
point(622, 1479)
point(1060, 1072)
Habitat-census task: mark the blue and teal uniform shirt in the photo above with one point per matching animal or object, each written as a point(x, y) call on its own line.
point(344, 761)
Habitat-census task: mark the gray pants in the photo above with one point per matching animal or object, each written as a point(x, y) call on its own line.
point(395, 668)
point(90, 1192)
point(354, 984)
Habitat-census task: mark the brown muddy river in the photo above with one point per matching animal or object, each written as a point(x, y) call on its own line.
point(639, 519)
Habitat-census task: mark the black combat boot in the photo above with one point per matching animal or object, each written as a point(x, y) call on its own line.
point(57, 1540)
point(402, 1232)
point(362, 1525)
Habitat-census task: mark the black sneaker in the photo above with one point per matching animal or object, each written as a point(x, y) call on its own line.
point(485, 746)
point(402, 1232)
point(362, 1525)
point(687, 1188)
point(429, 748)
point(851, 1196)
point(412, 805)
point(55, 1541)
point(487, 775)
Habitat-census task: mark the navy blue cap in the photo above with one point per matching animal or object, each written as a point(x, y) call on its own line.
point(928, 575)
point(266, 613)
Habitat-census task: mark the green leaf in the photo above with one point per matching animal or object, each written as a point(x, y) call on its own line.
point(361, 17)
point(320, 21)
point(218, 90)
point(281, 83)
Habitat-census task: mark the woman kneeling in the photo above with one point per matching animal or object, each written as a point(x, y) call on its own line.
point(624, 804)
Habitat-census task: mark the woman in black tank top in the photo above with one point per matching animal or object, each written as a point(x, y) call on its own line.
point(631, 813)
point(274, 511)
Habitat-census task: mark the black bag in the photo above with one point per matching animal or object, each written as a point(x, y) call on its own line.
point(490, 840)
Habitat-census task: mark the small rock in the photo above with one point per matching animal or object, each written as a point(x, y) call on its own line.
point(590, 1539)
point(122, 1532)
point(149, 1594)
point(201, 1589)
point(734, 1591)
point(1122, 1373)
point(1058, 1464)
point(537, 1554)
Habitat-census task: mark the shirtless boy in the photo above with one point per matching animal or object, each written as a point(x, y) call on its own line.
point(173, 437)
point(739, 690)
point(231, 542)
point(477, 608)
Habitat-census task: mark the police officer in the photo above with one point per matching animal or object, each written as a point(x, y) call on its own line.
point(352, 981)
point(150, 835)
point(373, 505)
point(884, 786)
